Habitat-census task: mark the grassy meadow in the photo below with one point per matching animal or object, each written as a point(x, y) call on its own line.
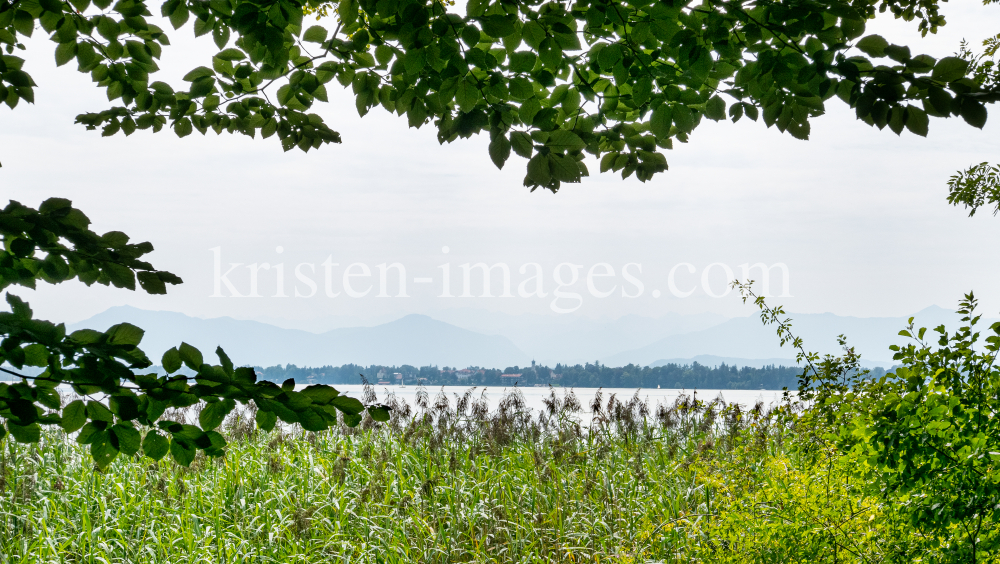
point(447, 480)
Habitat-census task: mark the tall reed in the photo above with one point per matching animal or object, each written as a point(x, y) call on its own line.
point(444, 480)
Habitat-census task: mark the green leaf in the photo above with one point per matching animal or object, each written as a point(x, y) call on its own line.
point(898, 53)
point(498, 26)
point(608, 161)
point(528, 110)
point(538, 170)
point(379, 413)
point(564, 169)
point(200, 88)
point(102, 450)
point(311, 420)
point(949, 69)
point(466, 95)
point(319, 394)
point(852, 28)
point(873, 45)
point(521, 143)
point(550, 53)
point(352, 420)
point(152, 408)
point(122, 276)
point(227, 364)
point(182, 127)
point(24, 433)
point(736, 112)
point(23, 22)
point(916, 121)
point(974, 113)
point(266, 419)
point(470, 35)
point(347, 405)
point(124, 406)
point(315, 34)
point(182, 451)
point(683, 118)
point(200, 72)
point(500, 150)
point(921, 63)
point(65, 53)
point(74, 415)
point(90, 431)
point(383, 54)
point(124, 334)
point(54, 6)
point(231, 54)
point(36, 355)
point(608, 56)
point(97, 411)
point(171, 360)
point(564, 140)
point(155, 445)
point(533, 34)
point(897, 119)
point(19, 307)
point(191, 356)
point(476, 8)
point(522, 61)
point(180, 15)
point(715, 108)
point(220, 34)
point(127, 437)
point(216, 443)
point(246, 375)
point(215, 413)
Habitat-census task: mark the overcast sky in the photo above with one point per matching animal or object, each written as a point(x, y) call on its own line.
point(857, 215)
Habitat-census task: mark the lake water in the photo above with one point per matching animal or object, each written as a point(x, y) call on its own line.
point(533, 396)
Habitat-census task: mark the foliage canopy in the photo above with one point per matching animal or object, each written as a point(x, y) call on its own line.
point(620, 79)
point(108, 369)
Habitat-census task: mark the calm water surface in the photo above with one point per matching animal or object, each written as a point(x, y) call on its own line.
point(533, 396)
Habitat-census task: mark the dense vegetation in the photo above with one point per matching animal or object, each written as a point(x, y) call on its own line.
point(596, 375)
point(448, 480)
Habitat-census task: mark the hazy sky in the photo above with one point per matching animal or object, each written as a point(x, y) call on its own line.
point(858, 216)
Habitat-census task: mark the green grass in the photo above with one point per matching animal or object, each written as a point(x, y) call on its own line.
point(443, 483)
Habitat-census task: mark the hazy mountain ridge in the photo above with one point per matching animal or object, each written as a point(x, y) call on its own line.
point(414, 339)
point(553, 339)
point(504, 340)
point(748, 338)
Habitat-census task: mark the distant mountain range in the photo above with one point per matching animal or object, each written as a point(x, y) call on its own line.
point(492, 340)
point(748, 338)
point(552, 339)
point(415, 339)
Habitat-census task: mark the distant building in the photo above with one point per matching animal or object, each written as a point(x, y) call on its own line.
point(464, 374)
